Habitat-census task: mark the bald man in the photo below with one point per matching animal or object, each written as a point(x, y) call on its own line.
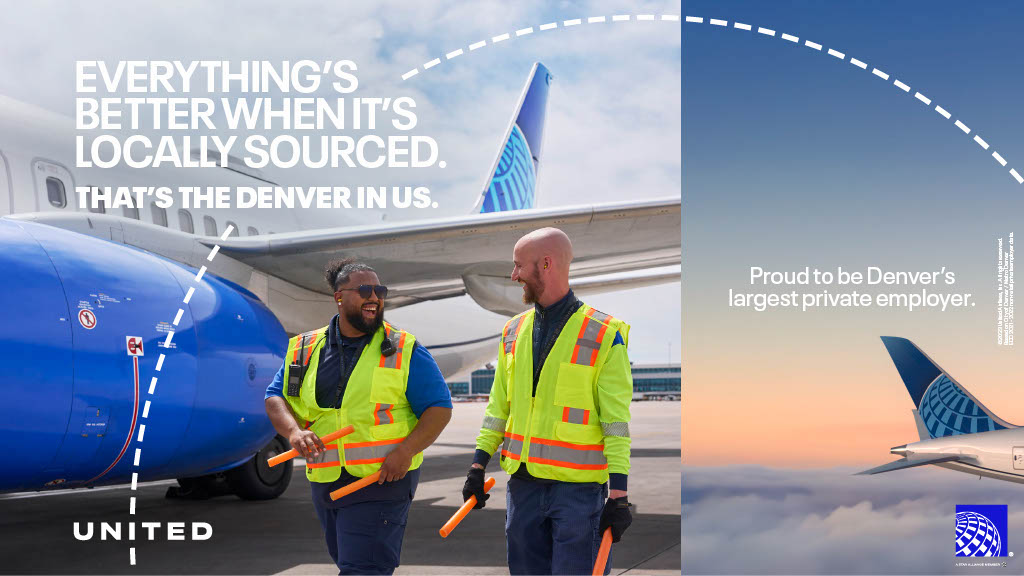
point(559, 411)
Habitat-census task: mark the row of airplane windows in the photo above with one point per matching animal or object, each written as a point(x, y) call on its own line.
point(57, 195)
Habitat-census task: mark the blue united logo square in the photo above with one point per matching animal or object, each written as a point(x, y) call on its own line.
point(981, 530)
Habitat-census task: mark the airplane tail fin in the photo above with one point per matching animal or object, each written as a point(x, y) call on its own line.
point(512, 184)
point(944, 407)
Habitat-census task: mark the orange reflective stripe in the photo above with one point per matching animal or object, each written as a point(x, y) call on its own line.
point(561, 464)
point(323, 464)
point(374, 443)
point(567, 454)
point(401, 345)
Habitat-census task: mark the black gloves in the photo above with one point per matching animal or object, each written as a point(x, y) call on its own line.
point(475, 487)
point(615, 516)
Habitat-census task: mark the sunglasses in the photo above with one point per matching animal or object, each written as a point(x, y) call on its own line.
point(366, 289)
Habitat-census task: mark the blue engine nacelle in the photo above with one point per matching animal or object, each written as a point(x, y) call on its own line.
point(80, 407)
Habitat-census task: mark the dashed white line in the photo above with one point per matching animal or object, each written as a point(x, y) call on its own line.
point(216, 248)
point(790, 37)
point(435, 62)
point(625, 18)
point(453, 54)
point(927, 101)
point(483, 43)
point(858, 63)
point(1016, 176)
point(572, 22)
point(595, 19)
point(152, 386)
point(766, 31)
point(199, 275)
point(880, 74)
point(901, 85)
point(167, 341)
point(145, 410)
point(131, 554)
point(999, 158)
point(177, 317)
point(410, 73)
point(716, 22)
point(500, 38)
point(142, 432)
point(961, 126)
point(227, 232)
point(524, 31)
point(836, 53)
point(667, 17)
point(159, 362)
point(138, 454)
point(942, 111)
point(814, 45)
point(131, 505)
point(547, 26)
point(135, 480)
point(981, 142)
point(645, 17)
point(695, 19)
point(741, 26)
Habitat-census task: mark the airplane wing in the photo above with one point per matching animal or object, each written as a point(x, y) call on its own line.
point(904, 463)
point(440, 258)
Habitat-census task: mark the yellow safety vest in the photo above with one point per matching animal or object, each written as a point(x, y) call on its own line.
point(374, 403)
point(576, 428)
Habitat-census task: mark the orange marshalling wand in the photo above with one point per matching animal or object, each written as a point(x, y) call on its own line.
point(293, 452)
point(350, 488)
point(461, 513)
point(602, 552)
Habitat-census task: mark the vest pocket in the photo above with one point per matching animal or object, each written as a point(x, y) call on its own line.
point(388, 386)
point(575, 385)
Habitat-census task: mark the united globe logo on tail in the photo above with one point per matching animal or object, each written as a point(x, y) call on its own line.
point(981, 530)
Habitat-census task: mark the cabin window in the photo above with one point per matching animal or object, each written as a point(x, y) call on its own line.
point(234, 228)
point(55, 192)
point(185, 221)
point(252, 231)
point(210, 225)
point(159, 215)
point(132, 213)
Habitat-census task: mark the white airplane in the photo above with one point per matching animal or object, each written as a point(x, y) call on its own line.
point(957, 431)
point(90, 279)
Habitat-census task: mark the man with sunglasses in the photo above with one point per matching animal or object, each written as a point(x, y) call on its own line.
point(559, 413)
point(360, 371)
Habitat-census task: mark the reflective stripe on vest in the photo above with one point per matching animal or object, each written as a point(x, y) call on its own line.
point(398, 340)
point(493, 423)
point(508, 337)
point(512, 447)
point(567, 455)
point(588, 343)
point(369, 452)
point(575, 415)
point(382, 414)
point(326, 459)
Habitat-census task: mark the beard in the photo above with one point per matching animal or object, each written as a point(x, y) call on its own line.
point(355, 319)
point(531, 291)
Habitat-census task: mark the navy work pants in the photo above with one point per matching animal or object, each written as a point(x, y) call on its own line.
point(552, 528)
point(364, 530)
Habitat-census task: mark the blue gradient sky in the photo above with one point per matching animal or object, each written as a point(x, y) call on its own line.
point(792, 158)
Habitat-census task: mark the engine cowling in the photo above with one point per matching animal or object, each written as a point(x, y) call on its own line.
point(83, 365)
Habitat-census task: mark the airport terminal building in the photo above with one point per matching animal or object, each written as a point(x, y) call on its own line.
point(650, 382)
